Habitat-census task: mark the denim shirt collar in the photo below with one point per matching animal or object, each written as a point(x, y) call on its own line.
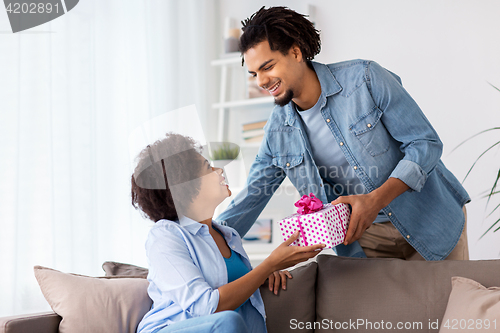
point(329, 86)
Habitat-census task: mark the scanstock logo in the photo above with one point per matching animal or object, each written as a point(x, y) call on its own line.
point(26, 14)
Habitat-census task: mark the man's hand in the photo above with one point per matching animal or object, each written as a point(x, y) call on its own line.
point(365, 207)
point(276, 278)
point(364, 211)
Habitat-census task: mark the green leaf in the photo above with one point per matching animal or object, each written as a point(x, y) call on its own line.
point(493, 86)
point(484, 152)
point(493, 188)
point(491, 227)
point(225, 151)
point(489, 195)
point(486, 130)
point(493, 210)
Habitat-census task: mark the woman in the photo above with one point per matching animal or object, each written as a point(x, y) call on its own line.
point(198, 270)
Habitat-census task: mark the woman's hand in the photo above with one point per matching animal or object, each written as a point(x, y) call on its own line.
point(233, 294)
point(285, 256)
point(276, 278)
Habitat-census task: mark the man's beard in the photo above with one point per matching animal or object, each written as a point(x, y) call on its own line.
point(287, 97)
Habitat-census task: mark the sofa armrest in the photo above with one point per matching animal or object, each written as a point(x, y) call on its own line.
point(46, 322)
point(295, 304)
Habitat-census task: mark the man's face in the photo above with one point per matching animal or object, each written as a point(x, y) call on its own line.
point(275, 72)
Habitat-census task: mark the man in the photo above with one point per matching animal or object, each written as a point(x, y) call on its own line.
point(349, 133)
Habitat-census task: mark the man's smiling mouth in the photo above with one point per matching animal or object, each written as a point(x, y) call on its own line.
point(274, 87)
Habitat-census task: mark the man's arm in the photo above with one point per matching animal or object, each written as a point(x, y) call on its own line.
point(406, 123)
point(420, 144)
point(365, 207)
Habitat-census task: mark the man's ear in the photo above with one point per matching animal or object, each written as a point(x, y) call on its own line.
point(296, 52)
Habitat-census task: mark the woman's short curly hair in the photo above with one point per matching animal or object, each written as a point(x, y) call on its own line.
point(281, 27)
point(166, 178)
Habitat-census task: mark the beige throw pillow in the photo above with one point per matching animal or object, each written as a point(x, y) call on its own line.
point(88, 304)
point(471, 307)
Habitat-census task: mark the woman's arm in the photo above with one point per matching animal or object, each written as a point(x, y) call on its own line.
point(233, 294)
point(175, 276)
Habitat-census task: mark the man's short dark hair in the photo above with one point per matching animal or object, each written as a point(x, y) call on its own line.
point(281, 27)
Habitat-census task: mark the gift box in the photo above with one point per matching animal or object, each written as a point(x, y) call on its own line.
point(318, 224)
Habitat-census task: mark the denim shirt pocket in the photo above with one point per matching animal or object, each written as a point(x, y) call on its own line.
point(292, 165)
point(286, 162)
point(371, 132)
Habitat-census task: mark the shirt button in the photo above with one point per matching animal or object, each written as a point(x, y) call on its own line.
point(288, 164)
point(408, 236)
point(341, 143)
point(233, 246)
point(355, 168)
point(369, 125)
point(328, 120)
point(390, 214)
point(320, 185)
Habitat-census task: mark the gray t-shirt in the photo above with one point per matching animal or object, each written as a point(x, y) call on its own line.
point(329, 158)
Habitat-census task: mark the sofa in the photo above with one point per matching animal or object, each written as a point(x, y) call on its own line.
point(346, 294)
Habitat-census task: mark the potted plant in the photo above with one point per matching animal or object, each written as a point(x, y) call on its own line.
point(225, 155)
point(494, 191)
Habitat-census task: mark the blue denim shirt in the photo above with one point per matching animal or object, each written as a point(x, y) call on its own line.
point(382, 133)
point(185, 270)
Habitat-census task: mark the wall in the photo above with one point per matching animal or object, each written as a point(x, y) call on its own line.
point(446, 54)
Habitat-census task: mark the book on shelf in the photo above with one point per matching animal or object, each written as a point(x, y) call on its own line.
point(251, 133)
point(254, 125)
point(254, 139)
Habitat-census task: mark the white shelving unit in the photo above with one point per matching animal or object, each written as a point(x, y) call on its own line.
point(244, 102)
point(229, 62)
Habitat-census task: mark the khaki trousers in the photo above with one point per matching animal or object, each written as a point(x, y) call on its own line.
point(383, 240)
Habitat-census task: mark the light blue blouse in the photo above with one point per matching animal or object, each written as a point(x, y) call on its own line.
point(185, 270)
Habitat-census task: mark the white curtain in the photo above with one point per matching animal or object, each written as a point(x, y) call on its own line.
point(72, 93)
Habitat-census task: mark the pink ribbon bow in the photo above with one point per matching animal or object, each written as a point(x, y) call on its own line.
point(306, 205)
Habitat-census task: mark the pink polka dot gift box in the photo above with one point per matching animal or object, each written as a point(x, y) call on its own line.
point(318, 223)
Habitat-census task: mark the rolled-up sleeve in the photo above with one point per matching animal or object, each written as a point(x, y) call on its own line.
point(406, 123)
point(174, 273)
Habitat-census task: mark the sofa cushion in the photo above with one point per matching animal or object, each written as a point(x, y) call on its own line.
point(361, 293)
point(471, 306)
point(112, 268)
point(299, 297)
point(295, 304)
point(88, 304)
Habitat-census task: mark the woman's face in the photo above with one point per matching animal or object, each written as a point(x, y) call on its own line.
point(213, 185)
